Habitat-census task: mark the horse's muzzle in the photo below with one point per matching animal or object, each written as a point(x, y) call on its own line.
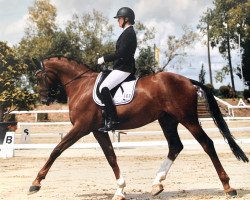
point(47, 101)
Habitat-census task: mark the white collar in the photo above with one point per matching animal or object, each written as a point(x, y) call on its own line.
point(127, 27)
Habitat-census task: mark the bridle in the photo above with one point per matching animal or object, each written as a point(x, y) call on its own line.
point(46, 90)
point(52, 91)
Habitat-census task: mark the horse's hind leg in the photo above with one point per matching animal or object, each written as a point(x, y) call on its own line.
point(72, 137)
point(207, 144)
point(169, 127)
point(107, 147)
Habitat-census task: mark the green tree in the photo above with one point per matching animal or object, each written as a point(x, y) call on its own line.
point(202, 74)
point(246, 61)
point(239, 19)
point(43, 37)
point(224, 91)
point(39, 35)
point(43, 16)
point(145, 62)
point(40, 32)
point(176, 48)
point(221, 74)
point(145, 35)
point(93, 34)
point(62, 45)
point(14, 91)
point(227, 20)
point(204, 26)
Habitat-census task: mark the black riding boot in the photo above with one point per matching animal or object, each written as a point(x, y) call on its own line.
point(110, 111)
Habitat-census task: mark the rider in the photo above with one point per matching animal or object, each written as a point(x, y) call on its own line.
point(123, 63)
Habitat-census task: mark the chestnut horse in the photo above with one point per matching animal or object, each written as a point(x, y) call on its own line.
point(167, 97)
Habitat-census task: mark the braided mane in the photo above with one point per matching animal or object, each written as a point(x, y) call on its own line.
point(70, 59)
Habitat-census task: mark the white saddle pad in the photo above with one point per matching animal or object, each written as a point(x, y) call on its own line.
point(123, 95)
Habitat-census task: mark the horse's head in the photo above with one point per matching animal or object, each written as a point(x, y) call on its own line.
point(44, 87)
point(49, 87)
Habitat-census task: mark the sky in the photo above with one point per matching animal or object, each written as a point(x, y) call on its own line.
point(166, 16)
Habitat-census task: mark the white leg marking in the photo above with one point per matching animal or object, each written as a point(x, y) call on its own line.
point(120, 186)
point(162, 172)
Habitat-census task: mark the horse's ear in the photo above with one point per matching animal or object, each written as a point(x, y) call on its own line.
point(37, 64)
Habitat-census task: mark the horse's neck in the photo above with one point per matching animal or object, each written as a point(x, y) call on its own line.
point(67, 73)
point(81, 86)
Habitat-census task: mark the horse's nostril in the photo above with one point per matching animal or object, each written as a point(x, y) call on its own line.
point(44, 101)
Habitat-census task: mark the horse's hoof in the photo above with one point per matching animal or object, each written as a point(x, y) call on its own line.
point(33, 189)
point(231, 192)
point(157, 189)
point(118, 197)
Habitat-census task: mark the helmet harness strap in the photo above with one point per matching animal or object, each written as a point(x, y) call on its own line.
point(125, 20)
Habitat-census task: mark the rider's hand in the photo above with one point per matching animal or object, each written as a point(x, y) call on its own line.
point(100, 61)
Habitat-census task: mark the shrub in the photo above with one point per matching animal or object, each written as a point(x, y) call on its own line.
point(246, 94)
point(42, 117)
point(224, 91)
point(210, 87)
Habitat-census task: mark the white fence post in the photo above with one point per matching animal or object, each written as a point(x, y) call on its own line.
point(7, 150)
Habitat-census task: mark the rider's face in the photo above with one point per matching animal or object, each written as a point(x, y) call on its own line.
point(120, 21)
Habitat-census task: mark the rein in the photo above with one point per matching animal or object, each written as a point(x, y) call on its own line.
point(78, 76)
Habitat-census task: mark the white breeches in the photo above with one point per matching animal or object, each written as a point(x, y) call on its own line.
point(113, 79)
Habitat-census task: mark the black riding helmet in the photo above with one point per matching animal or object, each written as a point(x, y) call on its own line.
point(126, 13)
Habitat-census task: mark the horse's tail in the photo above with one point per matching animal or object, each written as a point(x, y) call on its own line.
point(220, 122)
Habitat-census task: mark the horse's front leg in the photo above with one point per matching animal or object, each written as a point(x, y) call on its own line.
point(107, 147)
point(73, 136)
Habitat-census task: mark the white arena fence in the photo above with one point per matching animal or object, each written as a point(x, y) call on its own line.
point(68, 123)
point(231, 108)
point(9, 146)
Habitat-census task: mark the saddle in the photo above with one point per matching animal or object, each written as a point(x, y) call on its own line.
point(122, 93)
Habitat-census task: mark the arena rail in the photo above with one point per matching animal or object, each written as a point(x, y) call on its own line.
point(9, 151)
point(36, 112)
point(19, 124)
point(121, 144)
point(241, 105)
point(228, 118)
point(230, 108)
point(9, 146)
point(117, 144)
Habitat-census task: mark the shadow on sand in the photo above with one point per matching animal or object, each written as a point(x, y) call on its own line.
point(194, 194)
